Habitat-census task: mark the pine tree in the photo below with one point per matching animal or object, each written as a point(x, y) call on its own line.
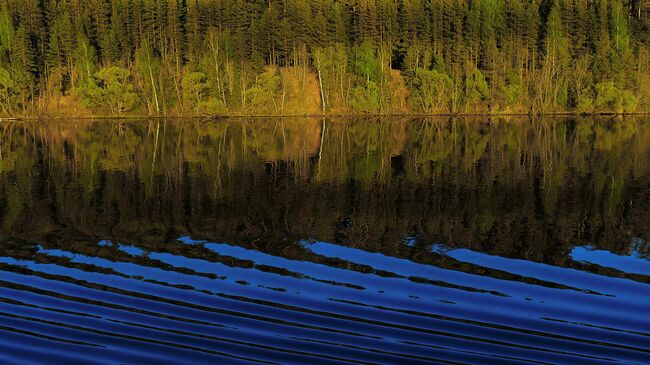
point(539, 54)
point(6, 34)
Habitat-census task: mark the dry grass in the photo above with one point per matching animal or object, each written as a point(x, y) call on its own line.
point(301, 91)
point(400, 93)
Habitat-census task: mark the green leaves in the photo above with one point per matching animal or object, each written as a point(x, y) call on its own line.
point(476, 88)
point(431, 90)
point(366, 99)
point(263, 94)
point(366, 55)
point(6, 30)
point(110, 89)
point(366, 64)
point(15, 83)
point(611, 98)
point(85, 57)
point(511, 91)
point(196, 88)
point(6, 82)
point(619, 27)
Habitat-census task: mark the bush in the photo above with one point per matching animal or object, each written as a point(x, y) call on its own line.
point(628, 101)
point(611, 98)
point(476, 87)
point(585, 104)
point(212, 106)
point(196, 88)
point(366, 99)
point(366, 64)
point(431, 89)
point(14, 89)
point(512, 91)
point(110, 89)
point(263, 94)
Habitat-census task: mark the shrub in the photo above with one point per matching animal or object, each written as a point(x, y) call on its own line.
point(109, 89)
point(366, 99)
point(196, 88)
point(430, 89)
point(611, 98)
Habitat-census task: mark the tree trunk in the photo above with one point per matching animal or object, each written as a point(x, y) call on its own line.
point(320, 84)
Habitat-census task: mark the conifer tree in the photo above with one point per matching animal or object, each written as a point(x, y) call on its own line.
point(532, 55)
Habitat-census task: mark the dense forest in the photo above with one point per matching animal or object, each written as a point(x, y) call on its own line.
point(218, 57)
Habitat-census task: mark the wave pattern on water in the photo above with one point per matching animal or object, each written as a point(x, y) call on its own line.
point(239, 305)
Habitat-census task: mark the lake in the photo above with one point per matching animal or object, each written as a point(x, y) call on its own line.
point(309, 241)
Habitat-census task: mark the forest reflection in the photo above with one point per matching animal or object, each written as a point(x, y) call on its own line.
point(518, 188)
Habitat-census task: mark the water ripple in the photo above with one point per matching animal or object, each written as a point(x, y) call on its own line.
point(198, 309)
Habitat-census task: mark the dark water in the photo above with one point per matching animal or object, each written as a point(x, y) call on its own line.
point(389, 241)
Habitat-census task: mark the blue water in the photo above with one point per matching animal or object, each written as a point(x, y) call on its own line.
point(142, 264)
point(117, 311)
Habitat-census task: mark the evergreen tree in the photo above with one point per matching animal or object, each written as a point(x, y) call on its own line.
point(487, 55)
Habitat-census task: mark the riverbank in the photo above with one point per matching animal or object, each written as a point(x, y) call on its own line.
point(323, 115)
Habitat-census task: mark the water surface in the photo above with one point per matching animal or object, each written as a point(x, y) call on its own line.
point(304, 241)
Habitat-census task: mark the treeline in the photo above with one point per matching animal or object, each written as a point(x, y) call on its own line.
point(304, 56)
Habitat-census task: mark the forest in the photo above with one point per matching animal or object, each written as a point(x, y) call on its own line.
point(291, 57)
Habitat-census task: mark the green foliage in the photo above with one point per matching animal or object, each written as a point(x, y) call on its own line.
point(519, 55)
point(217, 63)
point(628, 102)
point(366, 64)
point(14, 89)
point(366, 99)
point(263, 95)
point(621, 35)
point(585, 103)
point(611, 98)
point(196, 89)
point(85, 57)
point(562, 96)
point(512, 90)
point(211, 106)
point(431, 90)
point(551, 87)
point(152, 78)
point(476, 87)
point(109, 89)
point(6, 30)
point(23, 52)
point(416, 57)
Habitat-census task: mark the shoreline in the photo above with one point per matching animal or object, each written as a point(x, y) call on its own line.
point(321, 115)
